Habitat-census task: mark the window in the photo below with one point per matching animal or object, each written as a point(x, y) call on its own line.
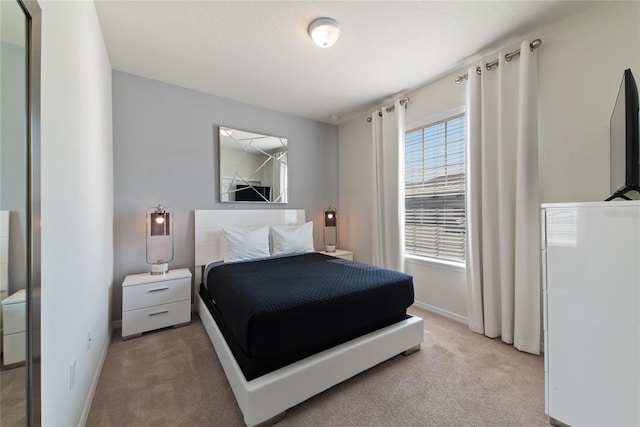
point(435, 190)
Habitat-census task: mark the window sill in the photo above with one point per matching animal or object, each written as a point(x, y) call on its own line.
point(436, 263)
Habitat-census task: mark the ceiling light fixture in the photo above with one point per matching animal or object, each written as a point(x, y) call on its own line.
point(324, 31)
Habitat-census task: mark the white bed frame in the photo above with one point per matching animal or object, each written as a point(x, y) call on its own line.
point(265, 399)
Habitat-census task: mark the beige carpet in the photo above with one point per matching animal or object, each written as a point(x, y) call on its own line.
point(173, 378)
point(13, 396)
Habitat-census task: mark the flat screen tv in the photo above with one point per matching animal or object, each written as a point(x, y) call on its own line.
point(252, 193)
point(625, 140)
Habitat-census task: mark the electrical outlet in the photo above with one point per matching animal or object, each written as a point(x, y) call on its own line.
point(72, 374)
point(88, 338)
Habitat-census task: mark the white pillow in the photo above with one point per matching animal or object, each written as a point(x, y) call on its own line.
point(291, 239)
point(244, 243)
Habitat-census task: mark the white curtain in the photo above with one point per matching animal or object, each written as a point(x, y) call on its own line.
point(503, 202)
point(388, 195)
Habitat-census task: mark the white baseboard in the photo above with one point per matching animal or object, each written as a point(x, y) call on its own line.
point(442, 312)
point(116, 324)
point(94, 383)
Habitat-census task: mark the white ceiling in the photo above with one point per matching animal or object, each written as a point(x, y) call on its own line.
point(259, 52)
point(241, 140)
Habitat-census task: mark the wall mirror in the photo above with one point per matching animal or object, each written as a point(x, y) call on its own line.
point(19, 213)
point(253, 167)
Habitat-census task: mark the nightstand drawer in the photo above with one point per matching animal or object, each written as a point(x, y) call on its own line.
point(155, 293)
point(160, 316)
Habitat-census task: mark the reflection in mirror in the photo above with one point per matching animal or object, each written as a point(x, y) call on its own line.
point(13, 213)
point(253, 167)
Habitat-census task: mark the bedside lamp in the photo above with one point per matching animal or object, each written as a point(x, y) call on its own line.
point(330, 229)
point(159, 239)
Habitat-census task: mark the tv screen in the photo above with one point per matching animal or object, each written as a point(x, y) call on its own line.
point(252, 193)
point(625, 141)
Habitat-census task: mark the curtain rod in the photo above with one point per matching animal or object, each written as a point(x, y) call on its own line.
point(508, 57)
point(404, 101)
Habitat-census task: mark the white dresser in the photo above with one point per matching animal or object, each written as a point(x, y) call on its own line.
point(591, 292)
point(14, 335)
point(154, 301)
point(4, 258)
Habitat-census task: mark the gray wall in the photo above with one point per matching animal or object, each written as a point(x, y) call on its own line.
point(13, 158)
point(165, 150)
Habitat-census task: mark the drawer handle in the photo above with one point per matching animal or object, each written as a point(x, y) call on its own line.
point(158, 289)
point(158, 312)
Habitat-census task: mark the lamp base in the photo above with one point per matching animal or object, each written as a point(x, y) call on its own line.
point(160, 268)
point(330, 248)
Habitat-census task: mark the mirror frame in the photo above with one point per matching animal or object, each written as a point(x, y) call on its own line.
point(33, 16)
point(283, 189)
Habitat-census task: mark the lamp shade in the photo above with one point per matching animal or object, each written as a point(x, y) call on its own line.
point(160, 223)
point(324, 32)
point(330, 217)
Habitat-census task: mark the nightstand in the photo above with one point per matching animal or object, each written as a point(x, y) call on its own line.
point(340, 253)
point(154, 301)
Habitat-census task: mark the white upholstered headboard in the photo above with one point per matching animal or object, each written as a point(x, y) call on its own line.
point(208, 224)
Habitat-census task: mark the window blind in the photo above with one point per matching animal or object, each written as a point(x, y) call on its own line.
point(435, 217)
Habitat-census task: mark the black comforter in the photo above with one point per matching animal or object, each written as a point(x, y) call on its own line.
point(282, 309)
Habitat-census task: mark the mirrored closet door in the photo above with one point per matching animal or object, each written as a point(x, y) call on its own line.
point(19, 213)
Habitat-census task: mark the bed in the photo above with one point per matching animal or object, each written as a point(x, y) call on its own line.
point(328, 333)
